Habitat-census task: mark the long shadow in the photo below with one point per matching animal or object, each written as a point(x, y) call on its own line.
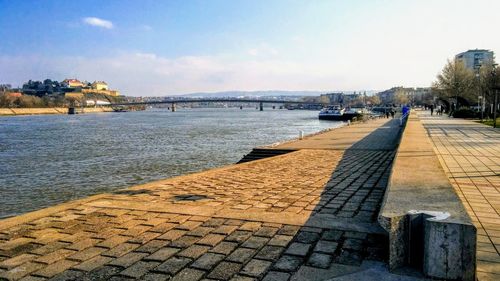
point(342, 233)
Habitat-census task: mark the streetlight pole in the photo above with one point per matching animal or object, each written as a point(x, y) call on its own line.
point(495, 100)
point(495, 109)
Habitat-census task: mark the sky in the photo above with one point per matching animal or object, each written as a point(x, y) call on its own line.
point(156, 48)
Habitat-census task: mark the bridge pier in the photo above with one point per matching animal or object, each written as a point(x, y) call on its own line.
point(261, 106)
point(173, 107)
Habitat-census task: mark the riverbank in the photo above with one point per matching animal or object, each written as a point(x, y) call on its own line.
point(306, 214)
point(48, 110)
point(310, 214)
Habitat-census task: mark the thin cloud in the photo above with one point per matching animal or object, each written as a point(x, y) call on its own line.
point(93, 21)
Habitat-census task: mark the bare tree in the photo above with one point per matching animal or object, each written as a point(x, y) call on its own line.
point(456, 81)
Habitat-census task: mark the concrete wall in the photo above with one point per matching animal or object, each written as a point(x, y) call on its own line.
point(429, 228)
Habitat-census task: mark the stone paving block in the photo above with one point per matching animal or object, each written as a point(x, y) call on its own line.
point(144, 237)
point(163, 227)
point(194, 251)
point(349, 258)
point(51, 247)
point(173, 265)
point(307, 237)
point(16, 261)
point(320, 260)
point(224, 271)
point(327, 247)
point(102, 273)
point(128, 259)
point(250, 226)
point(225, 229)
point(121, 250)
point(201, 231)
point(83, 244)
point(55, 256)
point(239, 236)
point(55, 268)
point(332, 235)
point(139, 268)
point(112, 241)
point(353, 244)
point(271, 253)
point(162, 254)
point(276, 276)
point(93, 263)
point(241, 255)
point(184, 241)
point(298, 249)
point(87, 254)
point(288, 263)
point(32, 278)
point(172, 234)
point(256, 268)
point(207, 261)
point(255, 242)
point(188, 225)
point(68, 275)
point(155, 277)
point(188, 274)
point(224, 248)
point(239, 278)
point(214, 222)
point(21, 271)
point(280, 240)
point(356, 235)
point(211, 240)
point(152, 246)
point(266, 231)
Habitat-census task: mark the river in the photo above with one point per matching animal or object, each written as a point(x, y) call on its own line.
point(50, 159)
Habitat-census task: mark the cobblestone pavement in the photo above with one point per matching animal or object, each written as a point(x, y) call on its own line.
point(306, 215)
point(470, 154)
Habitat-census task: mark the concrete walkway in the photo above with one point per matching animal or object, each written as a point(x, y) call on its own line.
point(306, 215)
point(470, 155)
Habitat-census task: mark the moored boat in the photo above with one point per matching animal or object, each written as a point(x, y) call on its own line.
point(338, 113)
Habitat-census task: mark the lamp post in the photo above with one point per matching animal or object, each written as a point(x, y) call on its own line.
point(479, 96)
point(495, 89)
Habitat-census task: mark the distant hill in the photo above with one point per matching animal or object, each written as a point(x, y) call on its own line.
point(235, 94)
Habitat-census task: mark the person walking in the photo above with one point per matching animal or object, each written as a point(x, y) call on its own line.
point(386, 114)
point(432, 109)
point(392, 113)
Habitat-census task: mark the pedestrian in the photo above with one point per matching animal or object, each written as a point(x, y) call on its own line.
point(386, 114)
point(432, 109)
point(392, 113)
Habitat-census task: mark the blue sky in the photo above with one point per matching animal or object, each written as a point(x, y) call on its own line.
point(174, 47)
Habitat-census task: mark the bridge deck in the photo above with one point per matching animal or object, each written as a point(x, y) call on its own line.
point(307, 214)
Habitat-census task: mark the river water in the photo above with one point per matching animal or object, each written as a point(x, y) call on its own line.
point(49, 159)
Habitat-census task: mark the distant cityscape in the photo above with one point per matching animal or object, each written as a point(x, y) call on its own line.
point(49, 92)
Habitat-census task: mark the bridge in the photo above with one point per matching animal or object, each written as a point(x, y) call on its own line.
point(173, 102)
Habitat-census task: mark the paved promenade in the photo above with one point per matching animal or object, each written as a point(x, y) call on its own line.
point(306, 215)
point(470, 155)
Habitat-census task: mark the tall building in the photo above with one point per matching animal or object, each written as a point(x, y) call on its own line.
point(473, 59)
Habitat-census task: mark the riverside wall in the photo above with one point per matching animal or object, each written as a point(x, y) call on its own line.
point(48, 110)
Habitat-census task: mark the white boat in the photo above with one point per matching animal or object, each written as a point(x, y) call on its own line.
point(336, 112)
